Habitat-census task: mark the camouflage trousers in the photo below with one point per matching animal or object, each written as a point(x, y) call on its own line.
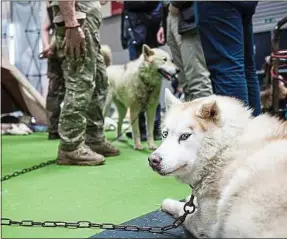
point(56, 92)
point(86, 85)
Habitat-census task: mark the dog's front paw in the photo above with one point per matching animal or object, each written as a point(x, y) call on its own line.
point(138, 146)
point(171, 207)
point(166, 205)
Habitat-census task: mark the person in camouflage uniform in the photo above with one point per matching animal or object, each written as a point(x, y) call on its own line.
point(55, 96)
point(81, 120)
point(56, 90)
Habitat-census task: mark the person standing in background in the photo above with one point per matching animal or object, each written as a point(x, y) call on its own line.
point(183, 39)
point(81, 125)
point(56, 89)
point(139, 25)
point(226, 33)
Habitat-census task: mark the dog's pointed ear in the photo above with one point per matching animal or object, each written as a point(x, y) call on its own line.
point(170, 99)
point(146, 51)
point(209, 110)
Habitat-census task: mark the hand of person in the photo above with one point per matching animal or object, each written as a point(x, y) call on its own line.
point(173, 10)
point(160, 36)
point(74, 42)
point(48, 51)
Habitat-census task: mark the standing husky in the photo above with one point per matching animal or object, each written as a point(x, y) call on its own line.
point(236, 164)
point(137, 85)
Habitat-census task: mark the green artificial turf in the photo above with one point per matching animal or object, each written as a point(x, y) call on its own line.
point(122, 189)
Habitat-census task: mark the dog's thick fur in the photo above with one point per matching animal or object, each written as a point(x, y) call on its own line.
point(138, 84)
point(236, 164)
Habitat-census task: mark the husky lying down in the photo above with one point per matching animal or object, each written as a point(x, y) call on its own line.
point(236, 164)
point(136, 85)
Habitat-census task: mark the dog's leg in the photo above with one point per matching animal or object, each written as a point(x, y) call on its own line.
point(122, 110)
point(151, 110)
point(173, 207)
point(192, 222)
point(134, 113)
point(108, 103)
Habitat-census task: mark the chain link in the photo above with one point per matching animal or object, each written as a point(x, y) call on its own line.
point(87, 224)
point(105, 226)
point(26, 170)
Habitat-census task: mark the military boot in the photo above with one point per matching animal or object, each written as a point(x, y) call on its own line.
point(83, 155)
point(105, 148)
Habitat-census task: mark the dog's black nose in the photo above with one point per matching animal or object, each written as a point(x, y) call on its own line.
point(177, 70)
point(154, 161)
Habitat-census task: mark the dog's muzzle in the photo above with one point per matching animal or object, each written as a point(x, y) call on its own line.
point(167, 75)
point(154, 162)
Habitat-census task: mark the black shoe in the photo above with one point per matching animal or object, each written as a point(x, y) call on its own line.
point(53, 136)
point(130, 136)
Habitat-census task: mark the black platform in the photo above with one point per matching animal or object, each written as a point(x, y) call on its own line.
point(156, 218)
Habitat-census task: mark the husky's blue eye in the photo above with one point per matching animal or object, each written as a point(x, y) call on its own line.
point(164, 134)
point(184, 137)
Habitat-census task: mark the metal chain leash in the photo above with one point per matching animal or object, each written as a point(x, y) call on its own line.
point(106, 226)
point(26, 170)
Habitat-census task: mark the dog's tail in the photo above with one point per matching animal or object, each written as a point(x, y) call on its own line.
point(107, 54)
